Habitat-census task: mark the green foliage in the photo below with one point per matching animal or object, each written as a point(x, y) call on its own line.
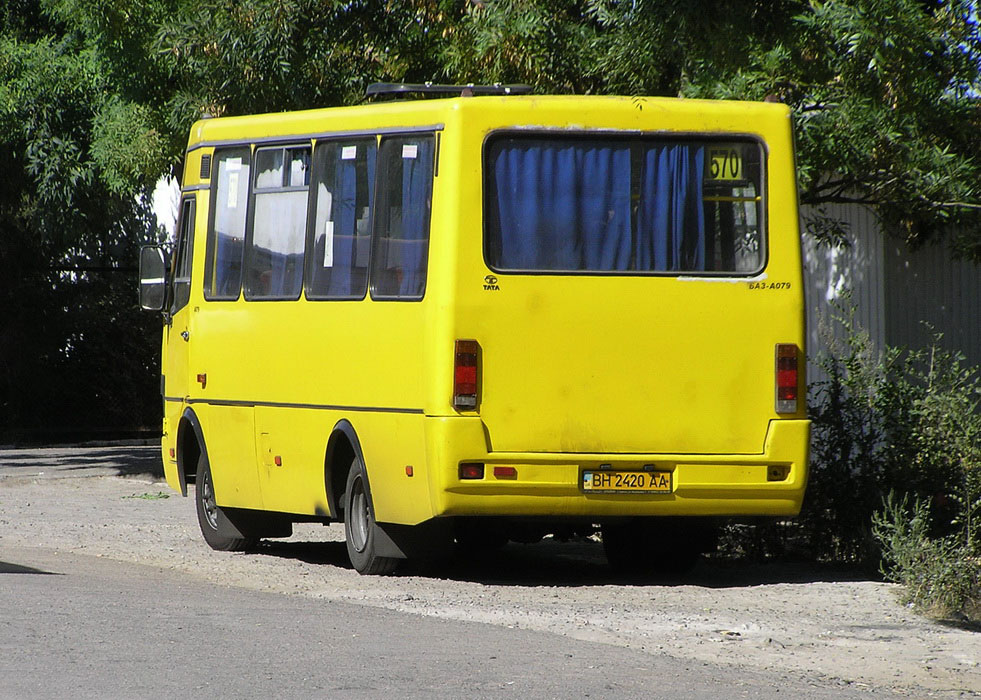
point(551, 45)
point(245, 56)
point(146, 496)
point(671, 48)
point(126, 145)
point(940, 576)
point(884, 92)
point(97, 96)
point(849, 414)
point(895, 479)
point(896, 421)
point(75, 349)
point(885, 98)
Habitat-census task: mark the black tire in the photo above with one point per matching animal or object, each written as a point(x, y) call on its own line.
point(211, 519)
point(359, 525)
point(650, 547)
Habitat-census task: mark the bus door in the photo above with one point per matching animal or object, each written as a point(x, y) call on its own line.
point(178, 331)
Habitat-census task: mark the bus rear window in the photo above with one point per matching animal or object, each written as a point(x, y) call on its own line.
point(623, 205)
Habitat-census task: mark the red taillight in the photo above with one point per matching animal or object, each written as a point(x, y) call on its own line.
point(471, 470)
point(466, 375)
point(786, 370)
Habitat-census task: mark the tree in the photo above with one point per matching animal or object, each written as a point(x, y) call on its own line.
point(228, 57)
point(96, 99)
point(885, 97)
point(71, 220)
point(885, 92)
point(97, 96)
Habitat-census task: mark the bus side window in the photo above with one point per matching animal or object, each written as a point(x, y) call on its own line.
point(338, 237)
point(400, 247)
point(182, 260)
point(226, 228)
point(274, 248)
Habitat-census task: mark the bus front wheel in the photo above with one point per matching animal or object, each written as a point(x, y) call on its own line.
point(359, 525)
point(212, 520)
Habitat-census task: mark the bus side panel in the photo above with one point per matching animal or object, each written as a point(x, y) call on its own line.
point(391, 444)
point(228, 434)
point(291, 445)
point(171, 419)
point(306, 365)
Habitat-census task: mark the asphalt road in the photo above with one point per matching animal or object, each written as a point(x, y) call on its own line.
point(81, 626)
point(87, 627)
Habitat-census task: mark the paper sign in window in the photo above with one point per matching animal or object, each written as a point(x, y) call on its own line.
point(328, 244)
point(233, 188)
point(349, 152)
point(233, 164)
point(410, 150)
point(298, 171)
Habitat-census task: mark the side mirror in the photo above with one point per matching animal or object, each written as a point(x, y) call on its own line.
point(153, 278)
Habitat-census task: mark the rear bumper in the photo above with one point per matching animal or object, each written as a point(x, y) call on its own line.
point(550, 484)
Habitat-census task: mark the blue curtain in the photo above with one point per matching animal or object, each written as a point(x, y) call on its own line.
point(228, 265)
point(345, 226)
point(566, 205)
point(671, 217)
point(563, 206)
point(417, 179)
point(344, 179)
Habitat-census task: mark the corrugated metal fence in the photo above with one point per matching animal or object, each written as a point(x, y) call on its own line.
point(895, 292)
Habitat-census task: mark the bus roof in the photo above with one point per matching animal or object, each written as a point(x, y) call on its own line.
point(548, 111)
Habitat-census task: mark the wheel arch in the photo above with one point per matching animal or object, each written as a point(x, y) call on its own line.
point(343, 447)
point(190, 446)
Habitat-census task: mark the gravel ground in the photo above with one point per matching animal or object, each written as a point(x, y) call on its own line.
point(822, 625)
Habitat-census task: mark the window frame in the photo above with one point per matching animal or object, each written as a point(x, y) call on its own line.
point(311, 227)
point(381, 198)
point(183, 253)
point(606, 135)
point(254, 191)
point(210, 261)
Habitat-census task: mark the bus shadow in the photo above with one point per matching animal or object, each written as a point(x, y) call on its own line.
point(584, 564)
point(317, 553)
point(571, 564)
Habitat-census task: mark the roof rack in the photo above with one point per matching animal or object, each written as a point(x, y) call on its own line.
point(398, 89)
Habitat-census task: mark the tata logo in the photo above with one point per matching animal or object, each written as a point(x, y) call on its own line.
point(490, 284)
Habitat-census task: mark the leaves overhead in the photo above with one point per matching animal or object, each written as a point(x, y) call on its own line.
point(97, 96)
point(235, 57)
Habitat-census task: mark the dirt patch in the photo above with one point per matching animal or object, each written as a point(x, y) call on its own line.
point(800, 621)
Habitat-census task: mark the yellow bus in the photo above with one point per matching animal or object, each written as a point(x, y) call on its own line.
point(486, 316)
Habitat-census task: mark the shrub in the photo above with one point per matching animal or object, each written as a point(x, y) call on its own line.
point(895, 480)
point(941, 577)
point(893, 421)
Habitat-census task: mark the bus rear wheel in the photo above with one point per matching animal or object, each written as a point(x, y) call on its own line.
point(359, 525)
point(212, 520)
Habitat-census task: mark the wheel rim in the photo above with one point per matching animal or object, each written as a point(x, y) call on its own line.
point(208, 501)
point(359, 516)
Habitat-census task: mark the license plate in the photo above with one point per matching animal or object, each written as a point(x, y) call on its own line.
point(609, 481)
